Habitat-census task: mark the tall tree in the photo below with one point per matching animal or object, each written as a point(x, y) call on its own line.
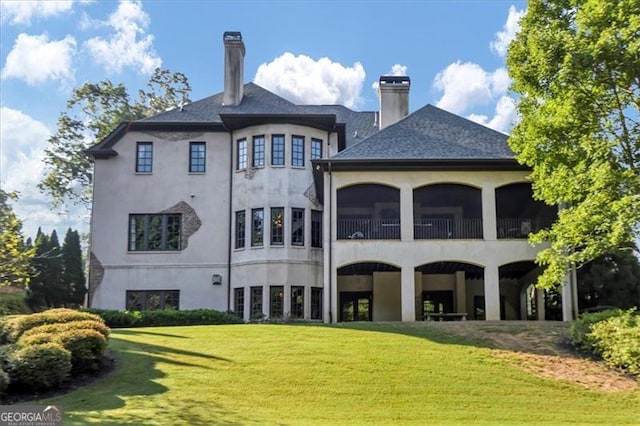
point(46, 289)
point(92, 112)
point(73, 269)
point(15, 256)
point(575, 65)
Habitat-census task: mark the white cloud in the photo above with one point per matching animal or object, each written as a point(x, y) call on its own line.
point(35, 59)
point(505, 115)
point(303, 80)
point(396, 69)
point(19, 12)
point(508, 33)
point(129, 45)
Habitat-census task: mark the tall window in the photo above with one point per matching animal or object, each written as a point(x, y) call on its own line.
point(240, 228)
point(148, 232)
point(257, 227)
point(144, 157)
point(316, 303)
point(297, 227)
point(316, 149)
point(238, 301)
point(256, 302)
point(277, 222)
point(152, 300)
point(277, 150)
point(197, 155)
point(297, 302)
point(316, 228)
point(275, 305)
point(258, 151)
point(297, 151)
point(241, 162)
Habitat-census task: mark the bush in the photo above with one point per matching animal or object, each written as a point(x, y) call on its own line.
point(581, 327)
point(98, 326)
point(4, 382)
point(617, 340)
point(13, 327)
point(116, 319)
point(39, 367)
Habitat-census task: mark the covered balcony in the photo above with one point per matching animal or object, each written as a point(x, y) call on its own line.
point(518, 214)
point(447, 211)
point(368, 212)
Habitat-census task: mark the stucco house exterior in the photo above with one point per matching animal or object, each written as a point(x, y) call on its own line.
point(244, 201)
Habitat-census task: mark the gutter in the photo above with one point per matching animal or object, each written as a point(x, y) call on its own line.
point(330, 244)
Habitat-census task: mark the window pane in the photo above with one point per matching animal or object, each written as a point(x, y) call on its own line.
point(297, 151)
point(173, 232)
point(316, 228)
point(153, 301)
point(297, 227)
point(258, 151)
point(238, 306)
point(197, 157)
point(257, 227)
point(277, 150)
point(256, 303)
point(316, 149)
point(242, 154)
point(316, 303)
point(135, 301)
point(155, 232)
point(240, 229)
point(144, 157)
point(154, 236)
point(136, 232)
point(171, 300)
point(277, 220)
point(297, 302)
point(275, 307)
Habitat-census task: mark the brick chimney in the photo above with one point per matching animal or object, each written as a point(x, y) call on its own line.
point(393, 92)
point(233, 68)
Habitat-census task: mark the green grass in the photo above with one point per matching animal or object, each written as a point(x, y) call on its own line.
point(303, 374)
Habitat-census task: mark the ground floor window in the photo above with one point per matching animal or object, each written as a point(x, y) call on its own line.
point(238, 302)
point(152, 300)
point(316, 303)
point(297, 302)
point(275, 305)
point(256, 303)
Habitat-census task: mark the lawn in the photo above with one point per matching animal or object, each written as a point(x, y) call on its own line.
point(305, 374)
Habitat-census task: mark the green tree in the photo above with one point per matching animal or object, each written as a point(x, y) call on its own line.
point(15, 256)
point(46, 289)
point(92, 112)
point(575, 65)
point(73, 269)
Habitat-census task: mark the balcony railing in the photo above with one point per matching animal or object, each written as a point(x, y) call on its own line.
point(518, 227)
point(445, 229)
point(368, 229)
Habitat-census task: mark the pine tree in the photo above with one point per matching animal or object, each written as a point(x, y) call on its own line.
point(73, 274)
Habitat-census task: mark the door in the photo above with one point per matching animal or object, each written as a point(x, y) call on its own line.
point(356, 306)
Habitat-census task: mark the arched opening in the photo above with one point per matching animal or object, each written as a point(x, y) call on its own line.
point(518, 214)
point(447, 211)
point(368, 212)
point(369, 291)
point(450, 290)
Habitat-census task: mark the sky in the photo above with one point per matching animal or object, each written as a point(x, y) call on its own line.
point(324, 52)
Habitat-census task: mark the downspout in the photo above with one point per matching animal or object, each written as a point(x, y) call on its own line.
point(230, 222)
point(330, 245)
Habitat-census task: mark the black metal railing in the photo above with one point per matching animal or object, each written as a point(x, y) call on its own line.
point(445, 229)
point(518, 227)
point(368, 229)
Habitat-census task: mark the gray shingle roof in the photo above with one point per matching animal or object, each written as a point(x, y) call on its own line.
point(431, 133)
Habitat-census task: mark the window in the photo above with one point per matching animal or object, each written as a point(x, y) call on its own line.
point(297, 227)
point(316, 303)
point(256, 303)
point(277, 221)
point(316, 228)
point(197, 155)
point(275, 305)
point(148, 232)
point(241, 163)
point(316, 149)
point(277, 150)
point(240, 228)
point(258, 151)
point(144, 157)
point(297, 302)
point(238, 302)
point(297, 151)
point(152, 300)
point(257, 227)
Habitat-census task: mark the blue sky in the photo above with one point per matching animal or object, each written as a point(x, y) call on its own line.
point(309, 52)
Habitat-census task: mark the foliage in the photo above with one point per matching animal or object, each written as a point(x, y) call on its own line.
point(73, 278)
point(13, 303)
point(15, 257)
point(582, 326)
point(93, 111)
point(11, 328)
point(617, 340)
point(60, 327)
point(4, 382)
point(118, 319)
point(575, 66)
point(39, 367)
point(610, 280)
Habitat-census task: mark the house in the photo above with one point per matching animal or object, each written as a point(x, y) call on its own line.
point(245, 201)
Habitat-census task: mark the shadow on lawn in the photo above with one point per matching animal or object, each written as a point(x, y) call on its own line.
point(133, 332)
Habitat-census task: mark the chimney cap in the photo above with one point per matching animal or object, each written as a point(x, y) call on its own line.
point(395, 79)
point(232, 36)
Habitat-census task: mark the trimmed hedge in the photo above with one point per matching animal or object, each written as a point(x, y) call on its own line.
point(581, 327)
point(120, 319)
point(617, 340)
point(11, 328)
point(98, 326)
point(39, 367)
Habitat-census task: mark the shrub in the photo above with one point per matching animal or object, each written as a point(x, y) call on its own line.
point(581, 327)
point(13, 327)
point(617, 340)
point(39, 367)
point(98, 326)
point(4, 382)
point(115, 319)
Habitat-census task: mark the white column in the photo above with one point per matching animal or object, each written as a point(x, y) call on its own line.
point(540, 306)
point(489, 212)
point(406, 213)
point(568, 297)
point(491, 293)
point(461, 292)
point(408, 293)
